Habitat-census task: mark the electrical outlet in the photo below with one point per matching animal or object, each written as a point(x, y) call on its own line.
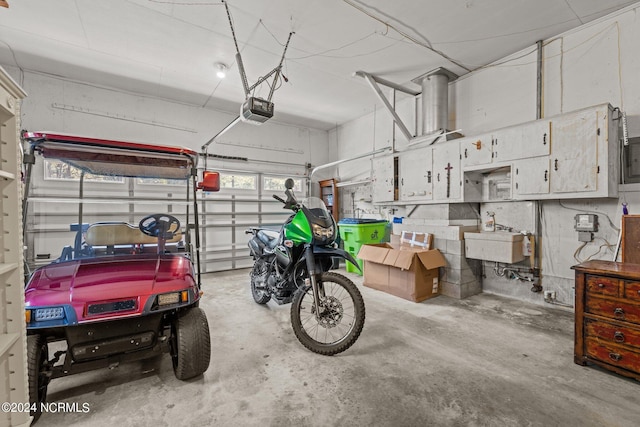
point(549, 295)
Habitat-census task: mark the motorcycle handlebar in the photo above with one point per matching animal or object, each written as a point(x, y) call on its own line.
point(278, 198)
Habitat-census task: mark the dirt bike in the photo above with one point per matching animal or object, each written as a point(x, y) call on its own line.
point(292, 266)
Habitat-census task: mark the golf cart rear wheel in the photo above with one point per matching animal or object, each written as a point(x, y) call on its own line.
point(192, 350)
point(37, 360)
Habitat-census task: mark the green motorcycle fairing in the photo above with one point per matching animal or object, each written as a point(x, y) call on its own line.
point(298, 230)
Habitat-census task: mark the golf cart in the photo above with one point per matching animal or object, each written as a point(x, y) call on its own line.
point(120, 292)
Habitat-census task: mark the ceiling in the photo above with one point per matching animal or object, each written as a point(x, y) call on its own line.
point(168, 49)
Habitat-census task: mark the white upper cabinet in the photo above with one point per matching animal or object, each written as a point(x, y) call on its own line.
point(574, 160)
point(571, 155)
point(528, 140)
point(383, 179)
point(416, 175)
point(447, 173)
point(476, 150)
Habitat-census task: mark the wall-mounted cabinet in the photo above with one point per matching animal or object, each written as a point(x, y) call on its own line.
point(528, 140)
point(447, 173)
point(531, 177)
point(416, 175)
point(13, 387)
point(573, 155)
point(583, 160)
point(476, 150)
point(574, 161)
point(383, 179)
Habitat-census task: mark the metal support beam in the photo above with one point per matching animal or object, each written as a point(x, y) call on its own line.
point(373, 82)
point(388, 83)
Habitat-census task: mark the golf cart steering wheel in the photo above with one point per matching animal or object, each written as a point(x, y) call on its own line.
point(162, 226)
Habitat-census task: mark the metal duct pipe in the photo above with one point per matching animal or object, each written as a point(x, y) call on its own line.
point(435, 99)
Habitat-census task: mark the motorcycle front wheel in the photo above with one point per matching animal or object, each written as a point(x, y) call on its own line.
point(340, 319)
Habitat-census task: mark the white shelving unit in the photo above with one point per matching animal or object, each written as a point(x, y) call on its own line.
point(13, 369)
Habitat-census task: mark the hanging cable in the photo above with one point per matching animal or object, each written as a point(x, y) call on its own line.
point(408, 36)
point(243, 75)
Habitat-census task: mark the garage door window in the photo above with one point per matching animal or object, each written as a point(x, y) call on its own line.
point(276, 183)
point(238, 181)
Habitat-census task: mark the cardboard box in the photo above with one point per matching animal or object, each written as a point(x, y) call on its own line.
point(407, 272)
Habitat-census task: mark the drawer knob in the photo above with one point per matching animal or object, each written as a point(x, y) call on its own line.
point(619, 313)
point(601, 285)
point(618, 336)
point(615, 357)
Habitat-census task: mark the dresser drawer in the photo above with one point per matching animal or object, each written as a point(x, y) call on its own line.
point(604, 352)
point(610, 332)
point(632, 291)
point(613, 309)
point(600, 285)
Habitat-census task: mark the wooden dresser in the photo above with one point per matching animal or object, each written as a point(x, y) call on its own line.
point(607, 329)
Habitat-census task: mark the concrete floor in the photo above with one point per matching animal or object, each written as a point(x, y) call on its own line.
point(482, 361)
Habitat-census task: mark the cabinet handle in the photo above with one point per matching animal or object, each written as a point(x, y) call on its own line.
point(544, 139)
point(618, 336)
point(555, 164)
point(429, 181)
point(465, 153)
point(546, 174)
point(401, 181)
point(438, 176)
point(601, 285)
point(619, 313)
point(616, 357)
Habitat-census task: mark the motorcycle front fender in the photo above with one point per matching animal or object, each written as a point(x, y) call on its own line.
point(335, 252)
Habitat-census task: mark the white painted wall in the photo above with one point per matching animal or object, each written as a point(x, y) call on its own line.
point(593, 64)
point(78, 108)
point(65, 106)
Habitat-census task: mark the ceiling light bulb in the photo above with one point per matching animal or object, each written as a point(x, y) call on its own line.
point(222, 70)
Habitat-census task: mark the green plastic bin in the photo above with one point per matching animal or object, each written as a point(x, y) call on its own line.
point(356, 232)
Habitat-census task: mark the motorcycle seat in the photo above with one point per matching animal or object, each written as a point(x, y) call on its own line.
point(269, 238)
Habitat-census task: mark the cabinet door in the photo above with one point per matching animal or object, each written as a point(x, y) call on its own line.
point(574, 161)
point(522, 141)
point(382, 179)
point(531, 176)
point(416, 175)
point(447, 174)
point(476, 150)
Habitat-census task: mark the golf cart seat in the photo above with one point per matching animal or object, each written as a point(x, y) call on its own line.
point(121, 233)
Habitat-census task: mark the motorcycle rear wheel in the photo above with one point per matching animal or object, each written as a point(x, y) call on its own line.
point(340, 322)
point(259, 274)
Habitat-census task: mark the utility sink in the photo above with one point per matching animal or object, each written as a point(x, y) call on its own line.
point(498, 246)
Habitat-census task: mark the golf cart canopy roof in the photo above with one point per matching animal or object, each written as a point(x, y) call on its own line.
point(119, 158)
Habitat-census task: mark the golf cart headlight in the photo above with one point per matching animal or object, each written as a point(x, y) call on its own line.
point(49, 313)
point(168, 299)
point(321, 232)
